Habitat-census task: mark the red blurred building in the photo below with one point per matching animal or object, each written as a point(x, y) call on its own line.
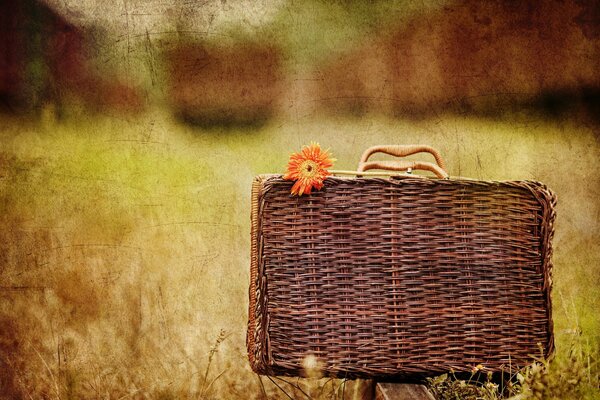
point(228, 84)
point(473, 56)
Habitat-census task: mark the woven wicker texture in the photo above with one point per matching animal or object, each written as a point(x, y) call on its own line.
point(397, 277)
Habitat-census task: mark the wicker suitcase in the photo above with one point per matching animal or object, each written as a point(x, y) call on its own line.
point(400, 276)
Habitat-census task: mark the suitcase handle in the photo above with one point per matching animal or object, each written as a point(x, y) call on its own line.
point(401, 151)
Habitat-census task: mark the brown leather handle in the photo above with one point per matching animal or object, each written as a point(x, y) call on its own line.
point(401, 151)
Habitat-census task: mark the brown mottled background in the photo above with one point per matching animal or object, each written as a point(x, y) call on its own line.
point(130, 133)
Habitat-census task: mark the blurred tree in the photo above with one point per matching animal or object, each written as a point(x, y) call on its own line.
point(44, 60)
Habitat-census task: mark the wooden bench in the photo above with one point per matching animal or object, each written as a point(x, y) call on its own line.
point(402, 391)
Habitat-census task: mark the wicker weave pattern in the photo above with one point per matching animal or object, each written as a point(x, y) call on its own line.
point(396, 277)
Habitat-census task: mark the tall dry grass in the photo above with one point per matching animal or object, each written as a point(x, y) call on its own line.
point(124, 244)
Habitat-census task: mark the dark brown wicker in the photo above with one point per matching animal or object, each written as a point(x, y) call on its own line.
point(400, 276)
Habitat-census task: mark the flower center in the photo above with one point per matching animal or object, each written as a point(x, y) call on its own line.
point(309, 168)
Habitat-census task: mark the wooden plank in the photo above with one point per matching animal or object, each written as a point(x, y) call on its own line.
point(404, 391)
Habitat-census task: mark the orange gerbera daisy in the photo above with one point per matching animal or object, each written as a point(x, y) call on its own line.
point(308, 168)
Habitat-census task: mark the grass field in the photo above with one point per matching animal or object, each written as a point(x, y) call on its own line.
point(124, 245)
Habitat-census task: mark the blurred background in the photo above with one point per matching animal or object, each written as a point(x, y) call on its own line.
point(130, 133)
